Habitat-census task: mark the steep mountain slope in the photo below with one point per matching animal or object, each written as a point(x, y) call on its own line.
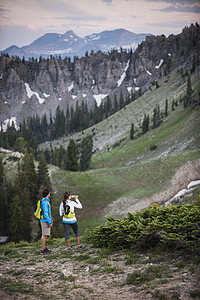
point(30, 88)
point(116, 129)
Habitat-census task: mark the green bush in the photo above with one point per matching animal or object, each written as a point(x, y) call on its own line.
point(171, 226)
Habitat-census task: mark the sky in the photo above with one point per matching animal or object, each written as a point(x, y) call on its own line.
point(24, 21)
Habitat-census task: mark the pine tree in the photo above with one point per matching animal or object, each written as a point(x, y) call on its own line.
point(166, 107)
point(67, 120)
point(116, 105)
point(20, 209)
point(72, 156)
point(44, 127)
point(188, 98)
point(121, 101)
point(16, 225)
point(156, 116)
point(145, 124)
point(29, 172)
point(2, 200)
point(43, 174)
point(86, 153)
point(20, 144)
point(173, 104)
point(132, 132)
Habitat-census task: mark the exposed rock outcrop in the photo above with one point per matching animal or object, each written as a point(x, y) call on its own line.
point(35, 87)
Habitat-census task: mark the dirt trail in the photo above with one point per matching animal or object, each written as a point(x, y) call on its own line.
point(187, 173)
point(72, 276)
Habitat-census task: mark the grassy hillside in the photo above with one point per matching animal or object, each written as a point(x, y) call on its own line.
point(128, 172)
point(177, 141)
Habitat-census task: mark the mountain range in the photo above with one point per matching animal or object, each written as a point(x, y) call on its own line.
point(69, 44)
point(37, 87)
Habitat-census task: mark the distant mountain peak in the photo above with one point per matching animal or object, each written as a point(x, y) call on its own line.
point(69, 32)
point(70, 44)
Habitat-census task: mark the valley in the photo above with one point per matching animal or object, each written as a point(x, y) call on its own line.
point(126, 175)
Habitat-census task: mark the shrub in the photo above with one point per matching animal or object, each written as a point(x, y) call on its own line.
point(168, 227)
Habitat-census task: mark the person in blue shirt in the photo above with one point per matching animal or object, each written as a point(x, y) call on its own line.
point(46, 220)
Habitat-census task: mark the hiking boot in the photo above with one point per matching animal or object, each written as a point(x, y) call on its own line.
point(69, 249)
point(45, 251)
point(80, 246)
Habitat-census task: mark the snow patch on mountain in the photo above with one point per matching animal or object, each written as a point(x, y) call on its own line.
point(149, 73)
point(119, 82)
point(130, 89)
point(46, 95)
point(71, 87)
point(161, 61)
point(94, 37)
point(99, 98)
point(30, 93)
point(9, 122)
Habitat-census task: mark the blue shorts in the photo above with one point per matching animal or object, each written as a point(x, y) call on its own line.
point(67, 228)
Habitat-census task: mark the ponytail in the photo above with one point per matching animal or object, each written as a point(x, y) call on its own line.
point(66, 196)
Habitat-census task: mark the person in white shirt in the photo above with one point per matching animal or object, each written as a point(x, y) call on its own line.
point(66, 210)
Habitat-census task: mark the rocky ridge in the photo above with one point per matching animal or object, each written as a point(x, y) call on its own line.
point(35, 87)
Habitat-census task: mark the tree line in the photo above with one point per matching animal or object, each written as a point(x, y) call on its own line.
point(36, 130)
point(18, 197)
point(188, 99)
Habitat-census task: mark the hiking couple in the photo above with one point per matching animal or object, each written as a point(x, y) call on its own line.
point(66, 210)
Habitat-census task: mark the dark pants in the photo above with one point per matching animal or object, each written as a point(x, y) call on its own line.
point(67, 228)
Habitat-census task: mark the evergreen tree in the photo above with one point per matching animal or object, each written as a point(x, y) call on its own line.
point(166, 107)
point(43, 174)
point(173, 104)
point(71, 119)
point(72, 156)
point(132, 132)
point(86, 153)
point(30, 175)
point(121, 101)
point(156, 116)
point(20, 209)
point(44, 128)
point(145, 124)
point(188, 98)
point(10, 136)
point(47, 156)
point(20, 144)
point(67, 120)
point(16, 224)
point(2, 200)
point(116, 106)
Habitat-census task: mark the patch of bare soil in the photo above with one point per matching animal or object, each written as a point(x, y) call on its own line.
point(92, 274)
point(187, 173)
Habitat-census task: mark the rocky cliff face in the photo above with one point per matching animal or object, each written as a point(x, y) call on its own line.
point(35, 87)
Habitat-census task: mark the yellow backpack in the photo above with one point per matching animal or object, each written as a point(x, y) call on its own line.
point(68, 213)
point(39, 211)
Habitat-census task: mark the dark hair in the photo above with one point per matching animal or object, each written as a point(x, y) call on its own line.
point(66, 196)
point(45, 192)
